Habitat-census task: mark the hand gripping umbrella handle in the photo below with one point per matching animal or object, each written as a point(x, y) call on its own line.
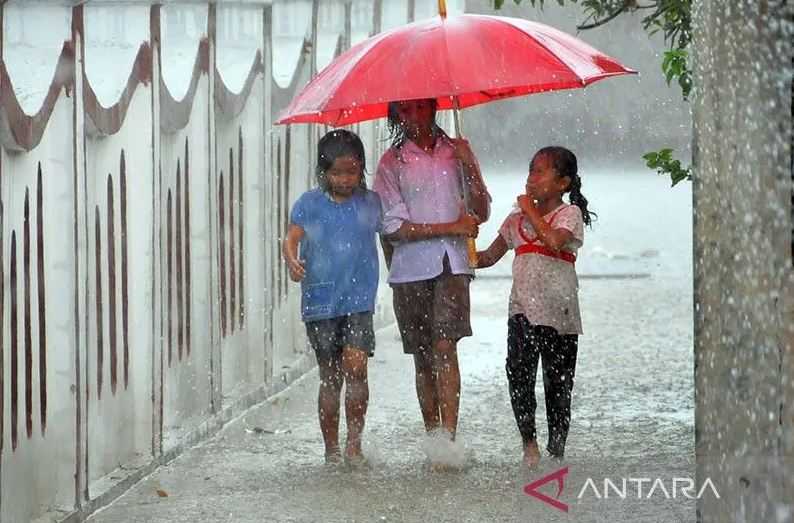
point(471, 245)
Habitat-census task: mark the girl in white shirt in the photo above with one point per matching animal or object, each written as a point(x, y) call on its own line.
point(544, 321)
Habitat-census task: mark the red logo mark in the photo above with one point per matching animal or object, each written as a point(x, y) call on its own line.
point(532, 489)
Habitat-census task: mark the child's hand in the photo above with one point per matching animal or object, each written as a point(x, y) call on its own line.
point(296, 269)
point(526, 203)
point(467, 224)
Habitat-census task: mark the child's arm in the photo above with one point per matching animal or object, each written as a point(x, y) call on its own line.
point(466, 225)
point(388, 250)
point(492, 254)
point(289, 249)
point(552, 238)
point(396, 218)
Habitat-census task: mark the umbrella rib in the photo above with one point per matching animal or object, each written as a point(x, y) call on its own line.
point(364, 52)
point(553, 55)
point(452, 86)
point(350, 65)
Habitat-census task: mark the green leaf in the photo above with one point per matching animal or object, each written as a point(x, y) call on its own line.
point(675, 66)
point(672, 18)
point(662, 161)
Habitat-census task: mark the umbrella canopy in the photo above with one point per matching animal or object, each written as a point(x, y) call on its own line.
point(472, 59)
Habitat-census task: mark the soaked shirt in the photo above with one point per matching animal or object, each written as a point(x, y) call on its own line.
point(418, 187)
point(339, 251)
point(545, 289)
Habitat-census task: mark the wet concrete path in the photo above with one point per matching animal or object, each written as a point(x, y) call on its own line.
point(633, 419)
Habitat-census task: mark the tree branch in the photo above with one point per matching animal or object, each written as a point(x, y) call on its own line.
point(615, 14)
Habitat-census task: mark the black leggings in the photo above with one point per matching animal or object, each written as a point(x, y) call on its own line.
point(525, 343)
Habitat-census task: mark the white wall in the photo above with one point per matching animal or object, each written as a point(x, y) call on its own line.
point(135, 116)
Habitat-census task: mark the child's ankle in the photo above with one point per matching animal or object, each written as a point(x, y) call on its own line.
point(531, 453)
point(353, 447)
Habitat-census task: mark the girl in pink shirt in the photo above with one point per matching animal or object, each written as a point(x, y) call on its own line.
point(421, 180)
point(544, 321)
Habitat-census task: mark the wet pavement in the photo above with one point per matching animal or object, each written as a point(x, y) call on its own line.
point(632, 423)
point(633, 403)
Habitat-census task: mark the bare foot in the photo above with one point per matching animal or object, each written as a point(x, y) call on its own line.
point(353, 449)
point(333, 457)
point(531, 454)
point(358, 461)
point(444, 453)
point(353, 456)
point(438, 467)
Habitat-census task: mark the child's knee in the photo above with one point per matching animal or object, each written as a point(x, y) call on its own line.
point(423, 361)
point(354, 363)
point(445, 354)
point(333, 381)
point(330, 373)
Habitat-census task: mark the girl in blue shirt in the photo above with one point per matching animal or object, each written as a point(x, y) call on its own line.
point(335, 227)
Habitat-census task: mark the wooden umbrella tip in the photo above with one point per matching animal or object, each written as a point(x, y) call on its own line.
point(442, 8)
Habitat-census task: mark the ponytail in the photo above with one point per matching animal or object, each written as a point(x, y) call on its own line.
point(578, 199)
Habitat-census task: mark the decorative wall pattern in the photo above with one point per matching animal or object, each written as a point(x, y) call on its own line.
point(141, 289)
point(23, 288)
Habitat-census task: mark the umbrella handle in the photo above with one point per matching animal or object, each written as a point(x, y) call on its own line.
point(456, 116)
point(471, 249)
point(471, 245)
point(442, 8)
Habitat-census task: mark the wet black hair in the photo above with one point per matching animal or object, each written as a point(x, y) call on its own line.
point(336, 144)
point(397, 135)
point(564, 163)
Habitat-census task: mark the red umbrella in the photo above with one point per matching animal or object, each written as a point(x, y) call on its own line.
point(460, 61)
point(471, 59)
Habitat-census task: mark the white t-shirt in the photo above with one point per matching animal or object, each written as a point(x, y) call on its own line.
point(545, 289)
